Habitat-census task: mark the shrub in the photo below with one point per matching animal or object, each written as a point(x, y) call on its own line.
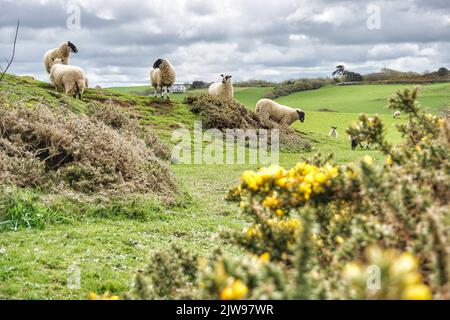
point(225, 114)
point(59, 150)
point(287, 87)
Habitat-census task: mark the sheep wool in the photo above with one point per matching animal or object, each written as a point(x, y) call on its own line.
point(222, 89)
point(333, 132)
point(62, 52)
point(71, 78)
point(162, 76)
point(271, 110)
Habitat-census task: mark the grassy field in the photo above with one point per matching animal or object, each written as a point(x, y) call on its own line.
point(34, 263)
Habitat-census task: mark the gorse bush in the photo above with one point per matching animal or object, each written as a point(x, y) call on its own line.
point(222, 114)
point(321, 230)
point(103, 153)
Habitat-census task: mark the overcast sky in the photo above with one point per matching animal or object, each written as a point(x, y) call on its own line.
point(118, 41)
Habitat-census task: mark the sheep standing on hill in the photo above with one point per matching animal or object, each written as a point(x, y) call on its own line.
point(333, 132)
point(162, 75)
point(62, 52)
point(270, 110)
point(396, 114)
point(222, 89)
point(71, 78)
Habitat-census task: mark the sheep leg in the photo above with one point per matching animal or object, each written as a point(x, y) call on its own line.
point(162, 92)
point(155, 92)
point(168, 93)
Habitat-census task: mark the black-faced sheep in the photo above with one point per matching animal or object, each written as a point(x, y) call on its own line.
point(162, 75)
point(222, 89)
point(396, 114)
point(62, 52)
point(356, 141)
point(71, 78)
point(271, 110)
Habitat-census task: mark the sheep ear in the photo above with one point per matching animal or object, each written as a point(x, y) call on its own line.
point(221, 75)
point(53, 59)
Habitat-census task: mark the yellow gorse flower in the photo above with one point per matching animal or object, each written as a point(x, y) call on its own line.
point(234, 291)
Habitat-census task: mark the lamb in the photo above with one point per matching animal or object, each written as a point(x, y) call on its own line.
point(222, 89)
point(62, 52)
point(71, 78)
point(271, 110)
point(162, 75)
point(396, 114)
point(333, 133)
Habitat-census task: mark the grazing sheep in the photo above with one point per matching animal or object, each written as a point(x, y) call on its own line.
point(396, 114)
point(222, 89)
point(62, 52)
point(71, 78)
point(355, 141)
point(162, 75)
point(333, 133)
point(270, 110)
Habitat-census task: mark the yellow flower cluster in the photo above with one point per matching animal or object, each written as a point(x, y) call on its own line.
point(291, 226)
point(402, 277)
point(302, 181)
point(105, 296)
point(235, 290)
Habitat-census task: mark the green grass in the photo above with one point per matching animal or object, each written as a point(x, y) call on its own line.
point(364, 98)
point(110, 246)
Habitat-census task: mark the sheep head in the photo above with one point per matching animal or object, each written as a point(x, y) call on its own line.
point(57, 61)
point(158, 63)
point(301, 115)
point(72, 47)
point(226, 78)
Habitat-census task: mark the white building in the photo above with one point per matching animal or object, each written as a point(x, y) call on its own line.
point(178, 88)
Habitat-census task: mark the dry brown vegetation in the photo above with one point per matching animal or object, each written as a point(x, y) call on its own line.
point(225, 114)
point(103, 153)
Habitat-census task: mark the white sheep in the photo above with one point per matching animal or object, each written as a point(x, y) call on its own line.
point(333, 132)
point(396, 114)
point(271, 110)
point(162, 75)
point(222, 89)
point(62, 52)
point(71, 78)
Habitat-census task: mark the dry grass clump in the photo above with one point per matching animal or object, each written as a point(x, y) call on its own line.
point(115, 118)
point(101, 153)
point(225, 114)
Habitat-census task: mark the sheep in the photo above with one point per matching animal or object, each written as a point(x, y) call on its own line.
point(71, 78)
point(222, 89)
point(396, 114)
point(355, 141)
point(62, 52)
point(162, 75)
point(333, 133)
point(270, 110)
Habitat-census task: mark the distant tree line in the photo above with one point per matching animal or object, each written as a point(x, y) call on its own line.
point(290, 86)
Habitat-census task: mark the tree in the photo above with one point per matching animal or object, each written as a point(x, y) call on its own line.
point(10, 61)
point(198, 85)
point(443, 72)
point(341, 74)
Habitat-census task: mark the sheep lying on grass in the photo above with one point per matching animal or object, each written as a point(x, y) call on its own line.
point(333, 132)
point(222, 89)
point(396, 114)
point(162, 75)
point(71, 78)
point(270, 110)
point(62, 52)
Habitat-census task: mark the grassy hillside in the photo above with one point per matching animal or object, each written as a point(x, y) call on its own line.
point(109, 249)
point(364, 98)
